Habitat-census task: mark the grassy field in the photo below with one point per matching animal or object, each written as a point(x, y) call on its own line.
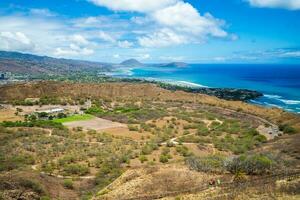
point(74, 118)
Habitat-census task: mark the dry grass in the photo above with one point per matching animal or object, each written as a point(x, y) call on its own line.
point(9, 115)
point(134, 92)
point(154, 180)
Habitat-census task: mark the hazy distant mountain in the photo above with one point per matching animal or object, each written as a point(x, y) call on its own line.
point(131, 63)
point(174, 64)
point(29, 64)
point(32, 64)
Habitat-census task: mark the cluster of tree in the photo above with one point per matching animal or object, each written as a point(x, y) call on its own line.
point(250, 164)
point(33, 123)
point(127, 114)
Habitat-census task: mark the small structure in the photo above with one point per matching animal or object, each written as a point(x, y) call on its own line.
point(51, 111)
point(5, 75)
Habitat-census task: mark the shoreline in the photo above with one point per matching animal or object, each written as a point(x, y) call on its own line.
point(267, 100)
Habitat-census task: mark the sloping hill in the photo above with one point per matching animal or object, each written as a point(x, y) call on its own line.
point(136, 92)
point(131, 63)
point(32, 64)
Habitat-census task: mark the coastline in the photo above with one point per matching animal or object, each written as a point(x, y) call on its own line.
point(267, 100)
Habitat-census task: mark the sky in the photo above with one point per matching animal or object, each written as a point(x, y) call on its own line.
point(154, 31)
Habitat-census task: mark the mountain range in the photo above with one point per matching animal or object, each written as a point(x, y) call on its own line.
point(20, 63)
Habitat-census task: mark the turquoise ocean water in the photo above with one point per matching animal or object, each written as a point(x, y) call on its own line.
point(280, 84)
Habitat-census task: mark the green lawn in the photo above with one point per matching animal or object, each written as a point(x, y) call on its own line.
point(74, 118)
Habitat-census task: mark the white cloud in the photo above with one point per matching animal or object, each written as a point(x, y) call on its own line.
point(79, 39)
point(291, 54)
point(184, 17)
point(171, 58)
point(73, 50)
point(181, 24)
point(167, 22)
point(106, 37)
point(134, 5)
point(162, 38)
point(15, 41)
point(125, 44)
point(286, 4)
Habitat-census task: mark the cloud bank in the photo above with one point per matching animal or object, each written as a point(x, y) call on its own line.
point(174, 22)
point(286, 4)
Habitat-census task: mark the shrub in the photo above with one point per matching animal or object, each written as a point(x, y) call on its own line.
point(94, 110)
point(256, 164)
point(33, 123)
point(109, 171)
point(68, 183)
point(286, 128)
point(35, 186)
point(215, 163)
point(148, 148)
point(143, 158)
point(133, 128)
point(15, 161)
point(76, 169)
point(203, 131)
point(163, 158)
point(183, 151)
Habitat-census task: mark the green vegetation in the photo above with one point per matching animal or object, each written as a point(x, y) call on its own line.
point(34, 123)
point(127, 114)
point(76, 169)
point(29, 184)
point(214, 163)
point(183, 151)
point(288, 129)
point(68, 183)
point(12, 162)
point(74, 118)
point(250, 164)
point(257, 164)
point(248, 139)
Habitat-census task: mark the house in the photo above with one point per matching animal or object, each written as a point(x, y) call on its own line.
point(51, 111)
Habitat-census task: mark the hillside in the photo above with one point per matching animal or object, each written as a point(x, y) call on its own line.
point(135, 92)
point(140, 141)
point(20, 63)
point(131, 63)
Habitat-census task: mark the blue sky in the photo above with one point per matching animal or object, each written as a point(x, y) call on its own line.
point(194, 31)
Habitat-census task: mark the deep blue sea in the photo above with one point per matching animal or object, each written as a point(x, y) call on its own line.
point(280, 84)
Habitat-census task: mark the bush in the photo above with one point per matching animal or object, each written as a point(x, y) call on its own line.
point(15, 161)
point(35, 186)
point(251, 164)
point(214, 163)
point(109, 171)
point(163, 158)
point(286, 128)
point(76, 169)
point(183, 151)
point(34, 123)
point(133, 128)
point(68, 183)
point(143, 158)
point(203, 131)
point(148, 148)
point(94, 110)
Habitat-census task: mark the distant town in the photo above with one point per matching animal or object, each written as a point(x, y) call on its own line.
point(8, 77)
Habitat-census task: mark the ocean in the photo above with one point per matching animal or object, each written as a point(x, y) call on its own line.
point(280, 84)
